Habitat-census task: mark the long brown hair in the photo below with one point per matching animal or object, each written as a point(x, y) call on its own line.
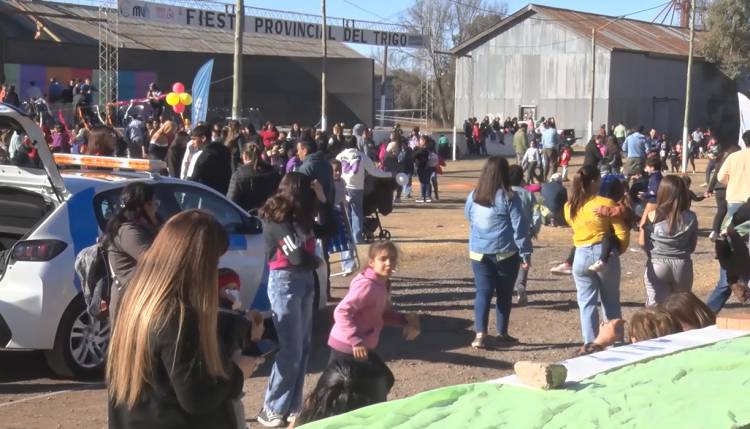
point(671, 200)
point(294, 201)
point(494, 177)
point(689, 311)
point(580, 193)
point(177, 275)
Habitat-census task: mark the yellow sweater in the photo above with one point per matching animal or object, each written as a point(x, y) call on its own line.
point(588, 228)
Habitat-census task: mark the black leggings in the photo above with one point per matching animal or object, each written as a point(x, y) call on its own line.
point(721, 209)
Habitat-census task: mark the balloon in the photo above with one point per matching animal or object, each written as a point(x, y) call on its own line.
point(178, 108)
point(186, 99)
point(402, 179)
point(173, 98)
point(178, 87)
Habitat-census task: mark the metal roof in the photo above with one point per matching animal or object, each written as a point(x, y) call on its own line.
point(79, 24)
point(618, 33)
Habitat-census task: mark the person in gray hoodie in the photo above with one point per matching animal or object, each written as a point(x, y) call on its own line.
point(669, 236)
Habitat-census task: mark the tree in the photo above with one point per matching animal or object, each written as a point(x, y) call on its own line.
point(727, 39)
point(445, 23)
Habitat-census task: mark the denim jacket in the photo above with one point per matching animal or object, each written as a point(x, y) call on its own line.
point(501, 228)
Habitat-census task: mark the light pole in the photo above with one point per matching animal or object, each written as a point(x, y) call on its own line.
point(685, 148)
point(323, 118)
point(239, 27)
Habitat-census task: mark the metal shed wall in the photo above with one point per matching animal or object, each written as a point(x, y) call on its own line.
point(536, 63)
point(649, 90)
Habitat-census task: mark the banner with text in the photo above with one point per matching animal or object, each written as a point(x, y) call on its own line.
point(347, 32)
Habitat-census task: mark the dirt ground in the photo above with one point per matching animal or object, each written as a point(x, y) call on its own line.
point(435, 280)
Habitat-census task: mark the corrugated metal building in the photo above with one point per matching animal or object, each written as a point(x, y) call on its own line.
point(539, 60)
point(281, 75)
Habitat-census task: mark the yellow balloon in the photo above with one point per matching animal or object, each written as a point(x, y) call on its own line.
point(186, 99)
point(173, 98)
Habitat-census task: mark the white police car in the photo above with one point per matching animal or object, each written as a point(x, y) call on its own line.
point(47, 217)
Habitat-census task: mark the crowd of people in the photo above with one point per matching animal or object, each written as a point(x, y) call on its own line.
point(177, 354)
point(621, 187)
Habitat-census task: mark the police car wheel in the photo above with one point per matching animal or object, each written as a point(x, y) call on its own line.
point(81, 343)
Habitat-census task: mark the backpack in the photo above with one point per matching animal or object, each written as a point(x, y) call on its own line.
point(92, 267)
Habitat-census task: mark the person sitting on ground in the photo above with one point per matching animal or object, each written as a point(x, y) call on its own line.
point(689, 311)
point(554, 197)
point(344, 385)
point(645, 324)
point(361, 315)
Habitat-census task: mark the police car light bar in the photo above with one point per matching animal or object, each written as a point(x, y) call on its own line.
point(68, 160)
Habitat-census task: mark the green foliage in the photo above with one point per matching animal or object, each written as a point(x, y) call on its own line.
point(727, 39)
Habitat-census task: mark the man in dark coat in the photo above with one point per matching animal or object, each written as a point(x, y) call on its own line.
point(214, 165)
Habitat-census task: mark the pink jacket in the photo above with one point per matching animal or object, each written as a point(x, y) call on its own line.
point(361, 315)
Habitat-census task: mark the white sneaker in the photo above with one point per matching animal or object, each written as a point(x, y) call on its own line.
point(419, 200)
point(597, 266)
point(712, 236)
point(562, 269)
point(428, 200)
point(270, 419)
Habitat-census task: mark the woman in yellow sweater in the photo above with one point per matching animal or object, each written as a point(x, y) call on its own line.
point(589, 230)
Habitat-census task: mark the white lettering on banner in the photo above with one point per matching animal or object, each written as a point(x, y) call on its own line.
point(182, 16)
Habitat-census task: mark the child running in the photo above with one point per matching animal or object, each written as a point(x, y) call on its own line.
point(361, 315)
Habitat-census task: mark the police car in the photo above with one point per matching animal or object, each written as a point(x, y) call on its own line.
point(48, 214)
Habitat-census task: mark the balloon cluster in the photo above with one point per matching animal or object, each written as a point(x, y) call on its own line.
point(178, 98)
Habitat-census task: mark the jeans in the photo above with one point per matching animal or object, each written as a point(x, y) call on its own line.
point(721, 209)
point(721, 292)
point(424, 182)
point(550, 162)
point(491, 275)
point(406, 189)
point(356, 212)
point(291, 295)
point(594, 287)
point(522, 279)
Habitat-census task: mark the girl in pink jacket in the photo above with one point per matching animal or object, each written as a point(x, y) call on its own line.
point(358, 320)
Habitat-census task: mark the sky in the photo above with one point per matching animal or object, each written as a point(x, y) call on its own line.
point(391, 10)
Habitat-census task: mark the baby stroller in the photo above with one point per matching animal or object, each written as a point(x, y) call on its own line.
point(378, 201)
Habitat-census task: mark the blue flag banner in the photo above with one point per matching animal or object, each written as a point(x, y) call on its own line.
point(201, 85)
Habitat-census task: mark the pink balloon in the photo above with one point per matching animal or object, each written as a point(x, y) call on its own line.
point(179, 108)
point(178, 87)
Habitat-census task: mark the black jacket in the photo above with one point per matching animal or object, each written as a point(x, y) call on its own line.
point(317, 167)
point(592, 155)
point(181, 394)
point(175, 153)
point(250, 188)
point(214, 167)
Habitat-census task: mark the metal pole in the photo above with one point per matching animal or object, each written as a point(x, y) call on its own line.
point(685, 147)
point(239, 27)
point(454, 138)
point(382, 86)
point(593, 82)
point(323, 118)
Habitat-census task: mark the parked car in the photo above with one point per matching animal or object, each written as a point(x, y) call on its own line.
point(48, 214)
point(568, 136)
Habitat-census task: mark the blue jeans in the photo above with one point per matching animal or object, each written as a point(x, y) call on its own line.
point(594, 287)
point(425, 183)
point(406, 189)
point(491, 275)
point(721, 292)
point(291, 295)
point(356, 212)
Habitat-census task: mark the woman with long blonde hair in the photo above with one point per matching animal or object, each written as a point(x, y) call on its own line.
point(165, 368)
